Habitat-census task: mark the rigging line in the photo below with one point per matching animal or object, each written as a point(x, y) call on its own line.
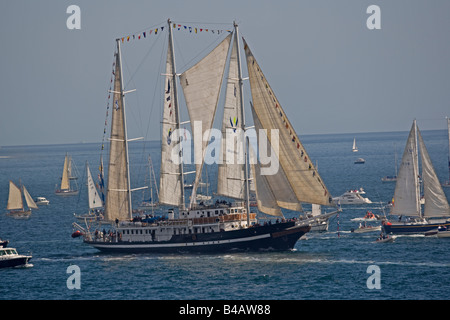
point(157, 85)
point(199, 22)
point(148, 28)
point(141, 63)
point(200, 54)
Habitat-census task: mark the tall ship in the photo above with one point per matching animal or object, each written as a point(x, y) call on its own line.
point(222, 226)
point(407, 201)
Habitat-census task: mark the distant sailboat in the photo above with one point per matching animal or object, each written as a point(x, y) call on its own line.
point(94, 200)
point(66, 188)
point(407, 202)
point(355, 148)
point(15, 202)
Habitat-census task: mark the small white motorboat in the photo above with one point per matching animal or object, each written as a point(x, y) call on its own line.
point(352, 197)
point(41, 201)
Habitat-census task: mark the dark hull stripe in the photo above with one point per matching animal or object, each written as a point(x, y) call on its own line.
point(252, 239)
point(412, 229)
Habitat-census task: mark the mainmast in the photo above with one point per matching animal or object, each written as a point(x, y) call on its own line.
point(125, 137)
point(246, 144)
point(177, 108)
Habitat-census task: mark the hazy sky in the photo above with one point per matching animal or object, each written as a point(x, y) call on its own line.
point(329, 71)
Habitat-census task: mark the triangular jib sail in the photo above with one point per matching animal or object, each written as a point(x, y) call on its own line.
point(407, 195)
point(436, 204)
point(303, 177)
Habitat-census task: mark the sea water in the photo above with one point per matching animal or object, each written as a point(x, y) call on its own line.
point(336, 264)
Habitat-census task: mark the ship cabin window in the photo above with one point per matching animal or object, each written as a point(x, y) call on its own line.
point(208, 214)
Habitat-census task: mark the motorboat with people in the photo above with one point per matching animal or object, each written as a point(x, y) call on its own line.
point(363, 228)
point(10, 258)
point(360, 161)
point(441, 231)
point(382, 238)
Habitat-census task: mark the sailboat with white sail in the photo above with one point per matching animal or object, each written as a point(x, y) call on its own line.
point(223, 226)
point(95, 202)
point(406, 202)
point(16, 206)
point(354, 148)
point(66, 187)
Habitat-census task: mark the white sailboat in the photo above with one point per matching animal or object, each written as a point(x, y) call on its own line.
point(95, 203)
point(66, 188)
point(406, 201)
point(16, 206)
point(219, 227)
point(354, 148)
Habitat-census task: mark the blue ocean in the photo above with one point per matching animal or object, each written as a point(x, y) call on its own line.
point(337, 264)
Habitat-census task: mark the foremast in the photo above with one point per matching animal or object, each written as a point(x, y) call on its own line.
point(245, 142)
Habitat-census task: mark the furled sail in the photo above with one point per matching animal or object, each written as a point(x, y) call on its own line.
point(93, 196)
point(170, 176)
point(231, 181)
point(201, 86)
point(303, 177)
point(436, 204)
point(406, 195)
point(15, 197)
point(117, 197)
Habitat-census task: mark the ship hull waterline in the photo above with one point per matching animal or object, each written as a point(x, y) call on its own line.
point(276, 237)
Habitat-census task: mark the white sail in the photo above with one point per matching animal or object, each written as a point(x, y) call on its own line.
point(355, 148)
point(278, 183)
point(304, 179)
point(265, 198)
point(436, 204)
point(406, 196)
point(117, 198)
point(93, 196)
point(65, 183)
point(201, 86)
point(231, 181)
point(170, 192)
point(15, 197)
point(29, 199)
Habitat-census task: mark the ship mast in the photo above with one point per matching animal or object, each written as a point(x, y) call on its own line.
point(125, 138)
point(177, 108)
point(245, 142)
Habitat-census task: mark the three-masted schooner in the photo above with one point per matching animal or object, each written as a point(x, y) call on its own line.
point(223, 226)
point(406, 202)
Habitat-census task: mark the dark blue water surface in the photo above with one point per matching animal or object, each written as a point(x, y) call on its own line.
point(331, 265)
